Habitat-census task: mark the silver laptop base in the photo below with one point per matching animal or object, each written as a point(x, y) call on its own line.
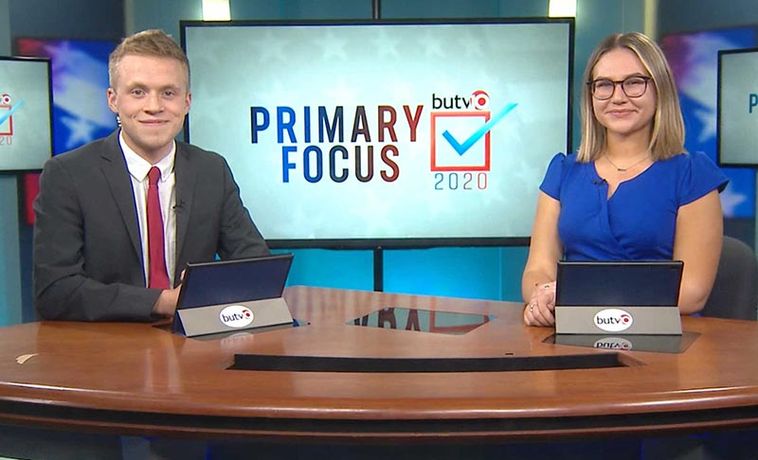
point(618, 320)
point(237, 316)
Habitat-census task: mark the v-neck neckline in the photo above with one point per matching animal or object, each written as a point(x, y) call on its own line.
point(611, 193)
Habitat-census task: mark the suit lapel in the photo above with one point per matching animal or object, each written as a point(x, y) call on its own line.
point(185, 176)
point(117, 176)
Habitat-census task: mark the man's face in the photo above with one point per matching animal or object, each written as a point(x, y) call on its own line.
point(151, 97)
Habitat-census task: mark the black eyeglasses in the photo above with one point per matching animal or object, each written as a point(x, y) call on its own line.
point(634, 86)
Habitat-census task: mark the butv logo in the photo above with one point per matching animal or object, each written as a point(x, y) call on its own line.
point(461, 144)
point(613, 320)
point(236, 316)
point(7, 109)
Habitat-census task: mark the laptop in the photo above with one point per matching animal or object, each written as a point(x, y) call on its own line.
point(229, 295)
point(624, 297)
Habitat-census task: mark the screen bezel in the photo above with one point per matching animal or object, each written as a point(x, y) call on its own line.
point(47, 61)
point(195, 270)
point(719, 154)
point(411, 242)
point(633, 288)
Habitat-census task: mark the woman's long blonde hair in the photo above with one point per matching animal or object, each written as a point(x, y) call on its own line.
point(667, 133)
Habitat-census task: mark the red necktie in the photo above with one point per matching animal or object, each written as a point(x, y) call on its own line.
point(158, 275)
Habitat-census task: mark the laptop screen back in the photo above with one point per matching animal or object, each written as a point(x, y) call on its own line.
point(648, 283)
point(228, 281)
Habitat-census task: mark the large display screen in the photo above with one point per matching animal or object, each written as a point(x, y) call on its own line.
point(25, 113)
point(738, 107)
point(388, 134)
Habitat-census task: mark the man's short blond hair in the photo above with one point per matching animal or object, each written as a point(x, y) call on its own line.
point(151, 42)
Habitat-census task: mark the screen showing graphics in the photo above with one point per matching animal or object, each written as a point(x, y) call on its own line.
point(25, 113)
point(384, 133)
point(738, 107)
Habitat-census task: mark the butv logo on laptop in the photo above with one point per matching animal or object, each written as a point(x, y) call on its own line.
point(6, 118)
point(613, 320)
point(236, 316)
point(461, 142)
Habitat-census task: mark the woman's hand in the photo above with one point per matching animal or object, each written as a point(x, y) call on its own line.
point(539, 311)
point(545, 250)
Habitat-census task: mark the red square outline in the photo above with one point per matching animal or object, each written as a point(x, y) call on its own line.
point(10, 122)
point(478, 113)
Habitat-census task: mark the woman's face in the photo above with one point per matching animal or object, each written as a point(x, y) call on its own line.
point(621, 114)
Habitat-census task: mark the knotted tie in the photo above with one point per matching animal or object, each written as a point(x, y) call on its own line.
point(155, 247)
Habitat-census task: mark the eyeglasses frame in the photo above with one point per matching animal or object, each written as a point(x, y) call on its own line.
point(620, 83)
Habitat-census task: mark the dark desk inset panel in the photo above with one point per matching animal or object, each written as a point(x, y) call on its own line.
point(252, 362)
point(414, 319)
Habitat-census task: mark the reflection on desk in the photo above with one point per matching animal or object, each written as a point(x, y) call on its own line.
point(637, 342)
point(416, 319)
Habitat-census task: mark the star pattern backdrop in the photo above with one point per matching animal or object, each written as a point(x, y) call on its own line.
point(694, 60)
point(80, 109)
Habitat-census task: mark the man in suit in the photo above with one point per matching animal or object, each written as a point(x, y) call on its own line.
point(92, 260)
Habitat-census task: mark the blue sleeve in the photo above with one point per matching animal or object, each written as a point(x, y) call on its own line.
point(700, 177)
point(551, 184)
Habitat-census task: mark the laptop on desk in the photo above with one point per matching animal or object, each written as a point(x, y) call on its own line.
point(618, 297)
point(230, 295)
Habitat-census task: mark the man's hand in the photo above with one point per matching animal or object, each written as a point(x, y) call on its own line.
point(166, 303)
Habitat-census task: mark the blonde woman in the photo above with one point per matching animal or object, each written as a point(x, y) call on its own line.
point(631, 192)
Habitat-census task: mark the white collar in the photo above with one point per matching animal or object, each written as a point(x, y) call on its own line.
point(139, 167)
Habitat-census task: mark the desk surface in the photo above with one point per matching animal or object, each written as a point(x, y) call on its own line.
point(139, 379)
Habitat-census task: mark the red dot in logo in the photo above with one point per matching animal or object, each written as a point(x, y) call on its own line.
point(480, 99)
point(625, 318)
point(247, 314)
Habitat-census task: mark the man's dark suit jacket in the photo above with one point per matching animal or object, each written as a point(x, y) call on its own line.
point(87, 246)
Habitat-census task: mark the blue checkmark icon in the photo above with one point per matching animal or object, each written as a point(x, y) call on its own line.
point(479, 133)
point(8, 114)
